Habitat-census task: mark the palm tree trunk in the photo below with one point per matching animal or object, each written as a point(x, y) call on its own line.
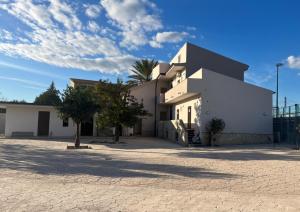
point(77, 139)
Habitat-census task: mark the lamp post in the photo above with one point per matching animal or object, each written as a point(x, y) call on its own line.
point(277, 70)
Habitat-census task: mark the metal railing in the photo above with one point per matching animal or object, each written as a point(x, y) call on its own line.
point(288, 111)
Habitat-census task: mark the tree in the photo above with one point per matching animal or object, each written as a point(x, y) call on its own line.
point(118, 107)
point(79, 105)
point(214, 127)
point(49, 97)
point(142, 70)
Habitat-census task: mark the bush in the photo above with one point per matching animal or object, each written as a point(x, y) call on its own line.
point(214, 127)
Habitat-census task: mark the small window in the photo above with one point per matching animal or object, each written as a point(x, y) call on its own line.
point(65, 122)
point(177, 114)
point(179, 58)
point(2, 110)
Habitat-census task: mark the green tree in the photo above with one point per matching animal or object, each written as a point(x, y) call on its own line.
point(49, 97)
point(118, 107)
point(79, 105)
point(142, 70)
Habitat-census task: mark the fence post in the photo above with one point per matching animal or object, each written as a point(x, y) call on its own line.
point(296, 125)
point(296, 110)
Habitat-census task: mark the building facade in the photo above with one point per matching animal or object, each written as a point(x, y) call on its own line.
point(198, 85)
point(30, 120)
point(183, 96)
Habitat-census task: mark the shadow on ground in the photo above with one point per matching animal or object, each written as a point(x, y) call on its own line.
point(70, 162)
point(131, 143)
point(244, 154)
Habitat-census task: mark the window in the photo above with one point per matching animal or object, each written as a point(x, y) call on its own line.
point(65, 122)
point(2, 110)
point(179, 58)
point(177, 114)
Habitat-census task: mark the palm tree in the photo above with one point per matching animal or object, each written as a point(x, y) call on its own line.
point(142, 70)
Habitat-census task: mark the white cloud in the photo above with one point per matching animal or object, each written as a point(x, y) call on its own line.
point(33, 15)
point(27, 82)
point(168, 37)
point(93, 10)
point(64, 14)
point(5, 35)
point(68, 47)
point(93, 26)
point(134, 19)
point(55, 34)
point(293, 62)
point(29, 70)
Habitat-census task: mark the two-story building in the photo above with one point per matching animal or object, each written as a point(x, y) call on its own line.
point(196, 86)
point(183, 96)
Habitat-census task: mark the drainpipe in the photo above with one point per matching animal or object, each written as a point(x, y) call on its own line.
point(155, 102)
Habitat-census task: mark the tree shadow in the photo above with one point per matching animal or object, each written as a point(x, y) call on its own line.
point(65, 162)
point(136, 143)
point(243, 154)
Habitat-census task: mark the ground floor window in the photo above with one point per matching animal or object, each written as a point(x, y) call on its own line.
point(65, 122)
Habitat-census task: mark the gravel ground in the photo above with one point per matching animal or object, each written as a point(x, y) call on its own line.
point(146, 174)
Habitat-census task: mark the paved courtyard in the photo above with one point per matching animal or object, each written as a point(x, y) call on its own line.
point(146, 174)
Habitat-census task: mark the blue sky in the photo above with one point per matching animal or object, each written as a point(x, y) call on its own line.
point(52, 40)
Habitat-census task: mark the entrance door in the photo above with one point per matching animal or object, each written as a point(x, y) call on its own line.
point(43, 123)
point(87, 128)
point(189, 125)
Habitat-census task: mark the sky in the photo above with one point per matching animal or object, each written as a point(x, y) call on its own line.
point(54, 40)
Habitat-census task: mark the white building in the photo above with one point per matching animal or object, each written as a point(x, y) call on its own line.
point(183, 96)
point(27, 120)
point(198, 85)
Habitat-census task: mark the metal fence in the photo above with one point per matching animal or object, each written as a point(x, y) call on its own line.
point(286, 124)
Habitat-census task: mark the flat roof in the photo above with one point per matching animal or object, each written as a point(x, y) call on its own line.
point(5, 103)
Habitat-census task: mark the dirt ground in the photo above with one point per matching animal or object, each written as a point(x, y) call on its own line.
point(147, 174)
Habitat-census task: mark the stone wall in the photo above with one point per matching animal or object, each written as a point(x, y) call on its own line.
point(238, 138)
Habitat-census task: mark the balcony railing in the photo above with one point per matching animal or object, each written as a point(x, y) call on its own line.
point(185, 89)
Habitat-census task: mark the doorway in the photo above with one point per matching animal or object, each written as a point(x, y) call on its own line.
point(43, 123)
point(87, 127)
point(2, 120)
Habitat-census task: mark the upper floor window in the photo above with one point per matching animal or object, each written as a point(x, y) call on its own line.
point(179, 58)
point(2, 110)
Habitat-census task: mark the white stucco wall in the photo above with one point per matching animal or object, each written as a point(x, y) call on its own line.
point(195, 104)
point(182, 54)
point(24, 118)
point(245, 108)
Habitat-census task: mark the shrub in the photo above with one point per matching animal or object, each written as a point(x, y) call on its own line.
point(214, 127)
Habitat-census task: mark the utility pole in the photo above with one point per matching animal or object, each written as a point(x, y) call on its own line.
point(285, 102)
point(277, 107)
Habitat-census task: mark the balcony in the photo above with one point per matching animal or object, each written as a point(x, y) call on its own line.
point(186, 89)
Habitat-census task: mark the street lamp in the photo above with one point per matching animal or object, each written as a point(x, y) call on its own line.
point(277, 69)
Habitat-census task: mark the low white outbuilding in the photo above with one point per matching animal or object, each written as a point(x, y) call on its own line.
point(34, 120)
